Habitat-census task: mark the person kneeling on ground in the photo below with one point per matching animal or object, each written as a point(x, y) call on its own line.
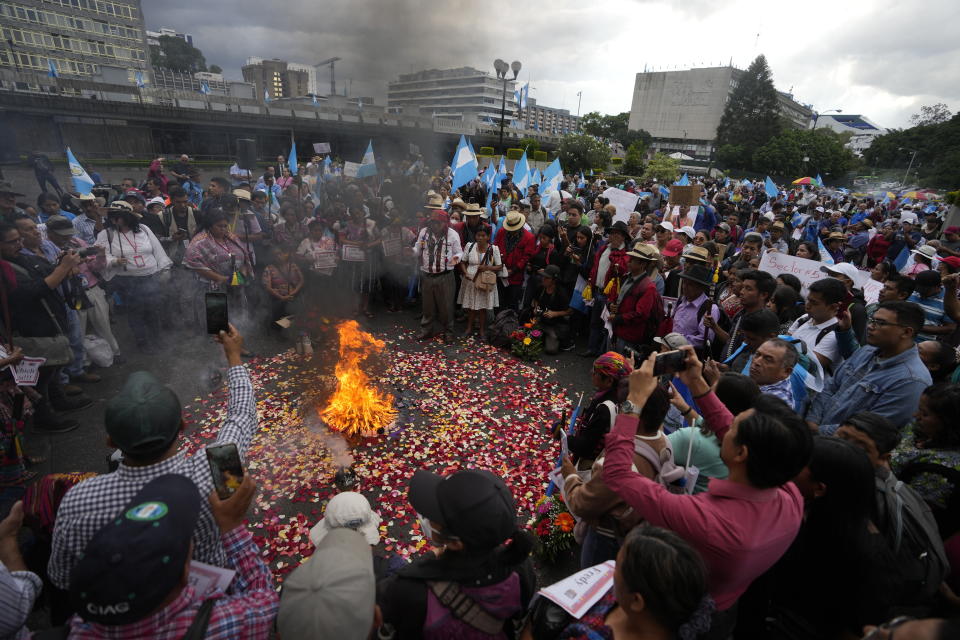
point(551, 308)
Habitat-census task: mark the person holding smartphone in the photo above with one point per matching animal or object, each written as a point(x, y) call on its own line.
point(144, 421)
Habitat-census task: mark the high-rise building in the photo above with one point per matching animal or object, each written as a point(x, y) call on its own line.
point(153, 37)
point(464, 94)
point(311, 72)
point(277, 77)
point(682, 109)
point(548, 119)
point(184, 81)
point(76, 35)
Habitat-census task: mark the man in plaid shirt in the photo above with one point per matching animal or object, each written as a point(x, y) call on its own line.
point(144, 422)
point(130, 582)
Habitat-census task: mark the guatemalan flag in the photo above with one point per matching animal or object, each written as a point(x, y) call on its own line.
point(81, 179)
point(368, 165)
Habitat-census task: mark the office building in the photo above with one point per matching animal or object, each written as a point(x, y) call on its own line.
point(863, 130)
point(310, 70)
point(465, 94)
point(277, 78)
point(76, 35)
point(548, 119)
point(185, 81)
point(153, 37)
point(682, 109)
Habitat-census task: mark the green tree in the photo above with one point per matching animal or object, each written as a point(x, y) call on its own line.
point(614, 128)
point(931, 114)
point(662, 168)
point(532, 145)
point(579, 152)
point(633, 162)
point(937, 147)
point(752, 115)
point(215, 68)
point(784, 154)
point(178, 55)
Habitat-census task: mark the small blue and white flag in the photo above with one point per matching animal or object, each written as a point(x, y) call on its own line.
point(819, 180)
point(825, 257)
point(902, 258)
point(138, 78)
point(583, 181)
point(52, 71)
point(535, 176)
point(368, 165)
point(81, 179)
point(576, 300)
point(314, 96)
point(770, 188)
point(266, 95)
point(292, 158)
point(204, 88)
point(684, 181)
point(490, 178)
point(521, 174)
point(664, 191)
point(726, 182)
point(552, 177)
point(326, 164)
point(746, 183)
point(463, 165)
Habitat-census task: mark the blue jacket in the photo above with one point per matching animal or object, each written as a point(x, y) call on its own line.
point(706, 219)
point(890, 388)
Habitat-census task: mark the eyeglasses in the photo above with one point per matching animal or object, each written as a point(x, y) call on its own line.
point(882, 323)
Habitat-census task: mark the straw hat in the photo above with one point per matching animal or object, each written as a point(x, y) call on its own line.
point(473, 209)
point(515, 220)
point(434, 201)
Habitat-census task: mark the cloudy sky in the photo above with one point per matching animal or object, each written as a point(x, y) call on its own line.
point(879, 58)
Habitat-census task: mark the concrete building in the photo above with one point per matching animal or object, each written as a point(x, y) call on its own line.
point(153, 37)
point(549, 119)
point(183, 81)
point(277, 77)
point(76, 35)
point(310, 70)
point(463, 94)
point(863, 130)
point(682, 109)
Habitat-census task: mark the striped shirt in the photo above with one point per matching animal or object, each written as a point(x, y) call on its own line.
point(18, 591)
point(92, 503)
point(933, 313)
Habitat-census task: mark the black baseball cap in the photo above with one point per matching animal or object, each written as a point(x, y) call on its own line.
point(473, 505)
point(144, 418)
point(138, 558)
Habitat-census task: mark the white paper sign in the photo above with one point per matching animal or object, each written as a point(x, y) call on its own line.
point(577, 593)
point(205, 578)
point(807, 271)
point(27, 373)
point(350, 169)
point(871, 290)
point(321, 147)
point(624, 201)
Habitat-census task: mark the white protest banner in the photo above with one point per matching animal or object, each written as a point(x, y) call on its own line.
point(350, 169)
point(577, 593)
point(807, 271)
point(321, 147)
point(871, 290)
point(624, 201)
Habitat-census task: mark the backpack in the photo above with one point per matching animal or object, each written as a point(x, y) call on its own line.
point(911, 530)
point(948, 520)
point(504, 324)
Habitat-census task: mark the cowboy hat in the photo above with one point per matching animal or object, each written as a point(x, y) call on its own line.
point(644, 252)
point(699, 274)
point(434, 201)
point(473, 209)
point(514, 221)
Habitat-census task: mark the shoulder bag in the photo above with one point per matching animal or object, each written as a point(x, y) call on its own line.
point(55, 349)
point(487, 280)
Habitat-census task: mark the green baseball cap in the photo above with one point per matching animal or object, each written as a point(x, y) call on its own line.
point(144, 418)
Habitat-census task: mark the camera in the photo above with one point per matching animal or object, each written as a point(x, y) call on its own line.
point(86, 252)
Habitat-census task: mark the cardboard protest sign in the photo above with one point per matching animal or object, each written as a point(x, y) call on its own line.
point(321, 147)
point(350, 169)
point(624, 201)
point(688, 195)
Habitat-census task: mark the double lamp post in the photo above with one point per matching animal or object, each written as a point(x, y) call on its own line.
point(502, 68)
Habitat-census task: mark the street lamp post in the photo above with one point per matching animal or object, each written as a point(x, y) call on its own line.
point(903, 183)
point(816, 116)
point(501, 68)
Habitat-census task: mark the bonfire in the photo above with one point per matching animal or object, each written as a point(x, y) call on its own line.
point(357, 408)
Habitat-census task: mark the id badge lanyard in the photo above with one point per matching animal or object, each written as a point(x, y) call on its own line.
point(138, 260)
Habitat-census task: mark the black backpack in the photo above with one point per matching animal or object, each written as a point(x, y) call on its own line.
point(948, 519)
point(911, 531)
point(503, 325)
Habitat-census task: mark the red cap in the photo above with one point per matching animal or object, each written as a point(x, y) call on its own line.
point(674, 248)
point(951, 261)
point(952, 230)
point(441, 216)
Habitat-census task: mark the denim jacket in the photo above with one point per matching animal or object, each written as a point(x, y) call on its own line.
point(890, 388)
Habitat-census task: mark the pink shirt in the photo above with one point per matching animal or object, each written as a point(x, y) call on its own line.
point(740, 531)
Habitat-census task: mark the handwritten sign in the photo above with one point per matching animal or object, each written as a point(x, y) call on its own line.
point(688, 195)
point(577, 593)
point(350, 169)
point(624, 201)
point(321, 147)
point(807, 271)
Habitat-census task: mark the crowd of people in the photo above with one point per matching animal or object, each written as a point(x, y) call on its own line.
point(761, 456)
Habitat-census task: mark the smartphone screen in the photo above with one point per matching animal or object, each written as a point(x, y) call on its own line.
point(669, 363)
point(225, 467)
point(216, 305)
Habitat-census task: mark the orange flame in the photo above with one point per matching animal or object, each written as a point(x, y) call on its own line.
point(357, 407)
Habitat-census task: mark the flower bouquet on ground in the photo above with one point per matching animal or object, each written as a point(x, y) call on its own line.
point(552, 526)
point(527, 342)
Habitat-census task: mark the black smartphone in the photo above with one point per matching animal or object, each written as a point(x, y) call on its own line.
point(216, 305)
point(669, 363)
point(225, 467)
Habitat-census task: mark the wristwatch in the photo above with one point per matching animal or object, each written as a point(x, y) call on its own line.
point(628, 407)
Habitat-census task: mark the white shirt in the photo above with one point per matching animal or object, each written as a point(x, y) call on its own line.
point(450, 251)
point(555, 201)
point(144, 253)
point(807, 333)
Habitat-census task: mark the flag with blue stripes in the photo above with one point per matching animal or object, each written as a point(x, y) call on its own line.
point(521, 174)
point(292, 158)
point(770, 188)
point(368, 165)
point(901, 260)
point(824, 254)
point(464, 165)
point(552, 177)
point(81, 179)
point(683, 181)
